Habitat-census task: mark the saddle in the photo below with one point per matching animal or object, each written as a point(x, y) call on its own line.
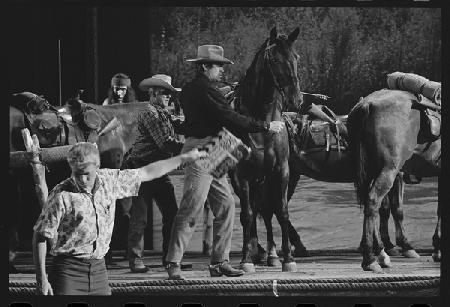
point(307, 133)
point(40, 118)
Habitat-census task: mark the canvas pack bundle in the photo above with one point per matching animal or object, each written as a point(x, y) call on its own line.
point(415, 84)
point(224, 152)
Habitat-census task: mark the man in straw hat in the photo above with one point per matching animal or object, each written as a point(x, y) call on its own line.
point(120, 91)
point(155, 141)
point(77, 220)
point(206, 111)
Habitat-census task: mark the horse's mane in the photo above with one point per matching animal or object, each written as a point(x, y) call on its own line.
point(247, 84)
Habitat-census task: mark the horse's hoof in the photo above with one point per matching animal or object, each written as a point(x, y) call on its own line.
point(248, 267)
point(374, 267)
point(393, 252)
point(300, 253)
point(273, 262)
point(411, 254)
point(383, 260)
point(289, 267)
point(436, 256)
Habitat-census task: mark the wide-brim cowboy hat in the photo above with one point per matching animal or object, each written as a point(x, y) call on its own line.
point(210, 54)
point(158, 80)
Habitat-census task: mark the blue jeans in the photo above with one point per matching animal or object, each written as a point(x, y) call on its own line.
point(199, 186)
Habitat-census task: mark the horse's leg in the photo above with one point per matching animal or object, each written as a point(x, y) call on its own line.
point(294, 236)
point(373, 246)
point(272, 257)
point(247, 219)
point(207, 229)
point(385, 212)
point(259, 254)
point(396, 201)
point(278, 180)
point(437, 236)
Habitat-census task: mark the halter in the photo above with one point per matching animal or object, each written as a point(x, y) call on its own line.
point(268, 58)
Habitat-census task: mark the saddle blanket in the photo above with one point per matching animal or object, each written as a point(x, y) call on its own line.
point(224, 152)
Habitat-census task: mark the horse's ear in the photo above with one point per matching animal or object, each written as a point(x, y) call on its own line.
point(293, 36)
point(74, 106)
point(273, 34)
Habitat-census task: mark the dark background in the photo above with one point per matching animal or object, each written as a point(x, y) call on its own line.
point(345, 52)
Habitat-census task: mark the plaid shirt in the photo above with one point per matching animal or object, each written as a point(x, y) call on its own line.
point(79, 223)
point(155, 140)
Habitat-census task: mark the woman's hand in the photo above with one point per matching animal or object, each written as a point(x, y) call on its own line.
point(44, 288)
point(193, 155)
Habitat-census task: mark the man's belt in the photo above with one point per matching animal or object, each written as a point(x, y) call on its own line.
point(224, 152)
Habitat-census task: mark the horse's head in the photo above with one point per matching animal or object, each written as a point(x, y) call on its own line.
point(275, 67)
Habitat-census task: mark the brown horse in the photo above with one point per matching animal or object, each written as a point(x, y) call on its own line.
point(269, 86)
point(386, 136)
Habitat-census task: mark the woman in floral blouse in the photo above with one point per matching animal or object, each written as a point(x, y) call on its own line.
point(78, 218)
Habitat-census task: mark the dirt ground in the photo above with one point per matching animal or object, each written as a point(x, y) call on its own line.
point(328, 217)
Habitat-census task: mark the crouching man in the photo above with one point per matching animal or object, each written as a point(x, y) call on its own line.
point(78, 219)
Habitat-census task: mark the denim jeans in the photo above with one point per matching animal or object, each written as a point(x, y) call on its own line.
point(162, 191)
point(199, 186)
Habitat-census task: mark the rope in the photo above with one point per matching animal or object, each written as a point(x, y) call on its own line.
point(376, 283)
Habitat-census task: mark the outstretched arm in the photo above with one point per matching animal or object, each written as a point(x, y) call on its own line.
point(157, 169)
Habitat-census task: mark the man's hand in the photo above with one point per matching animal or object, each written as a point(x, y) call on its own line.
point(44, 288)
point(276, 126)
point(193, 155)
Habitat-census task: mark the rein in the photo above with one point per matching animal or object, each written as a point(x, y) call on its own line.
point(268, 58)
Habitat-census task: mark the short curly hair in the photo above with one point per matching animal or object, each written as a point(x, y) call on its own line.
point(83, 153)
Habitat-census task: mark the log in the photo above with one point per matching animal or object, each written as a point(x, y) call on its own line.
point(48, 156)
point(40, 185)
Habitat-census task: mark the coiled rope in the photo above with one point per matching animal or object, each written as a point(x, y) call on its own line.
point(376, 283)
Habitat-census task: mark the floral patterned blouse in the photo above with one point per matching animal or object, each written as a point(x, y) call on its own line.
point(80, 224)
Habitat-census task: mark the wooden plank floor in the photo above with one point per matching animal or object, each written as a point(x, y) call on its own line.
point(339, 265)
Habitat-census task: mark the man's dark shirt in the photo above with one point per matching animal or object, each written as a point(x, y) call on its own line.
point(206, 111)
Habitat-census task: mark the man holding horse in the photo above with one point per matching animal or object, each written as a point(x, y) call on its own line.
point(206, 112)
point(156, 140)
point(78, 220)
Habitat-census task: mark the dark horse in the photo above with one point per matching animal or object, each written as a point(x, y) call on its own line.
point(57, 127)
point(269, 86)
point(386, 137)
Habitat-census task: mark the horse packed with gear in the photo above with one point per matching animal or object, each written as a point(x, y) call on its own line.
point(112, 128)
point(317, 149)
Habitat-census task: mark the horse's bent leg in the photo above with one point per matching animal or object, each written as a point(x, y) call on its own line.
point(294, 237)
point(372, 241)
point(246, 218)
point(385, 212)
point(396, 200)
point(437, 237)
point(207, 229)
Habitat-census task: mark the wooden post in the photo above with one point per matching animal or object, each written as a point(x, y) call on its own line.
point(40, 185)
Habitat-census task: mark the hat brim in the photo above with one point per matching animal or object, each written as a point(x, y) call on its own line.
point(145, 84)
point(210, 60)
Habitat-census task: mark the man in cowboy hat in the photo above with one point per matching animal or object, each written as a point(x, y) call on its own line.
point(155, 141)
point(206, 112)
point(120, 90)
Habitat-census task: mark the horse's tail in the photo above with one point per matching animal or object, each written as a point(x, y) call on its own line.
point(358, 154)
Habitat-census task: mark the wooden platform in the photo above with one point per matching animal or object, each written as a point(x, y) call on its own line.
point(336, 273)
